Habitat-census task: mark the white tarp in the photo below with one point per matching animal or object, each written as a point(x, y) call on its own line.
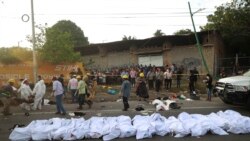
point(220, 123)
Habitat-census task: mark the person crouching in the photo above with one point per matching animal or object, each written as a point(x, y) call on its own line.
point(125, 91)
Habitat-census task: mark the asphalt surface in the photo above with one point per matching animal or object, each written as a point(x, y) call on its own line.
point(115, 109)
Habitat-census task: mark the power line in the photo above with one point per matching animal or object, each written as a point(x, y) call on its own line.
point(112, 17)
point(137, 13)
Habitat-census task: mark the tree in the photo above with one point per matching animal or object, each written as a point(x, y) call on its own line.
point(125, 38)
point(15, 55)
point(76, 33)
point(22, 54)
point(40, 36)
point(7, 58)
point(61, 39)
point(232, 20)
point(158, 33)
point(183, 31)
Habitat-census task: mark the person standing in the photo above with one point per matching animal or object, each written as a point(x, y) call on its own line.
point(196, 75)
point(39, 92)
point(132, 74)
point(141, 88)
point(209, 86)
point(178, 77)
point(8, 93)
point(151, 78)
point(191, 82)
point(72, 87)
point(61, 79)
point(81, 90)
point(125, 92)
point(159, 78)
point(168, 78)
point(26, 92)
point(58, 93)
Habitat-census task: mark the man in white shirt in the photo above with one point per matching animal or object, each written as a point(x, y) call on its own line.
point(168, 78)
point(72, 87)
point(39, 92)
point(26, 92)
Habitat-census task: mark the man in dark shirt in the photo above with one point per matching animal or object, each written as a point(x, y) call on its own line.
point(196, 75)
point(191, 82)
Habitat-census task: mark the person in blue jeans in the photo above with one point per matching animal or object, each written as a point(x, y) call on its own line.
point(209, 81)
point(58, 93)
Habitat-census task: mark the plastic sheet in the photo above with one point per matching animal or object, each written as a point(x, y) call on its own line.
point(219, 123)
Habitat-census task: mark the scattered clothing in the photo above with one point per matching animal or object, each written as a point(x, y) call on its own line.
point(165, 104)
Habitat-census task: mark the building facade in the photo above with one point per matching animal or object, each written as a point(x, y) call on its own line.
point(159, 51)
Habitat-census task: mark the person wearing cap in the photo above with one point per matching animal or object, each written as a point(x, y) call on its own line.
point(72, 87)
point(58, 93)
point(141, 88)
point(26, 92)
point(6, 96)
point(125, 91)
point(81, 91)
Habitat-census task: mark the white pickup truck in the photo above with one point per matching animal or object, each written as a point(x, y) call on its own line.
point(234, 90)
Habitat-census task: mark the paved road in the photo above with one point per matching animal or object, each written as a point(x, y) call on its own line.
point(114, 109)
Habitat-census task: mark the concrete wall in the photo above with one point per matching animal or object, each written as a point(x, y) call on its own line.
point(119, 59)
point(110, 59)
point(187, 56)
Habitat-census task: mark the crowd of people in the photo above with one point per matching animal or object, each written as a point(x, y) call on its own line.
point(81, 88)
point(27, 96)
point(155, 77)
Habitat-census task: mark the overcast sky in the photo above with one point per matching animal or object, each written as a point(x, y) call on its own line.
point(102, 20)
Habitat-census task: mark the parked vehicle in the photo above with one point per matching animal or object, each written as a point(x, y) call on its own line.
point(234, 90)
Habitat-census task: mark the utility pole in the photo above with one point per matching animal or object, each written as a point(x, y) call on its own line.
point(34, 43)
point(197, 39)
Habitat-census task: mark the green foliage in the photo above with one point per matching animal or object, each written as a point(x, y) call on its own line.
point(61, 39)
point(40, 36)
point(158, 33)
point(77, 36)
point(183, 31)
point(22, 54)
point(7, 58)
point(232, 20)
point(125, 38)
point(59, 48)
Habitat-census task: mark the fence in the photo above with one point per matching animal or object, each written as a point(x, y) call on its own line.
point(229, 66)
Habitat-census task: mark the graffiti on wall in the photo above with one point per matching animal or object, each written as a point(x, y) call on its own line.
point(25, 70)
point(189, 63)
